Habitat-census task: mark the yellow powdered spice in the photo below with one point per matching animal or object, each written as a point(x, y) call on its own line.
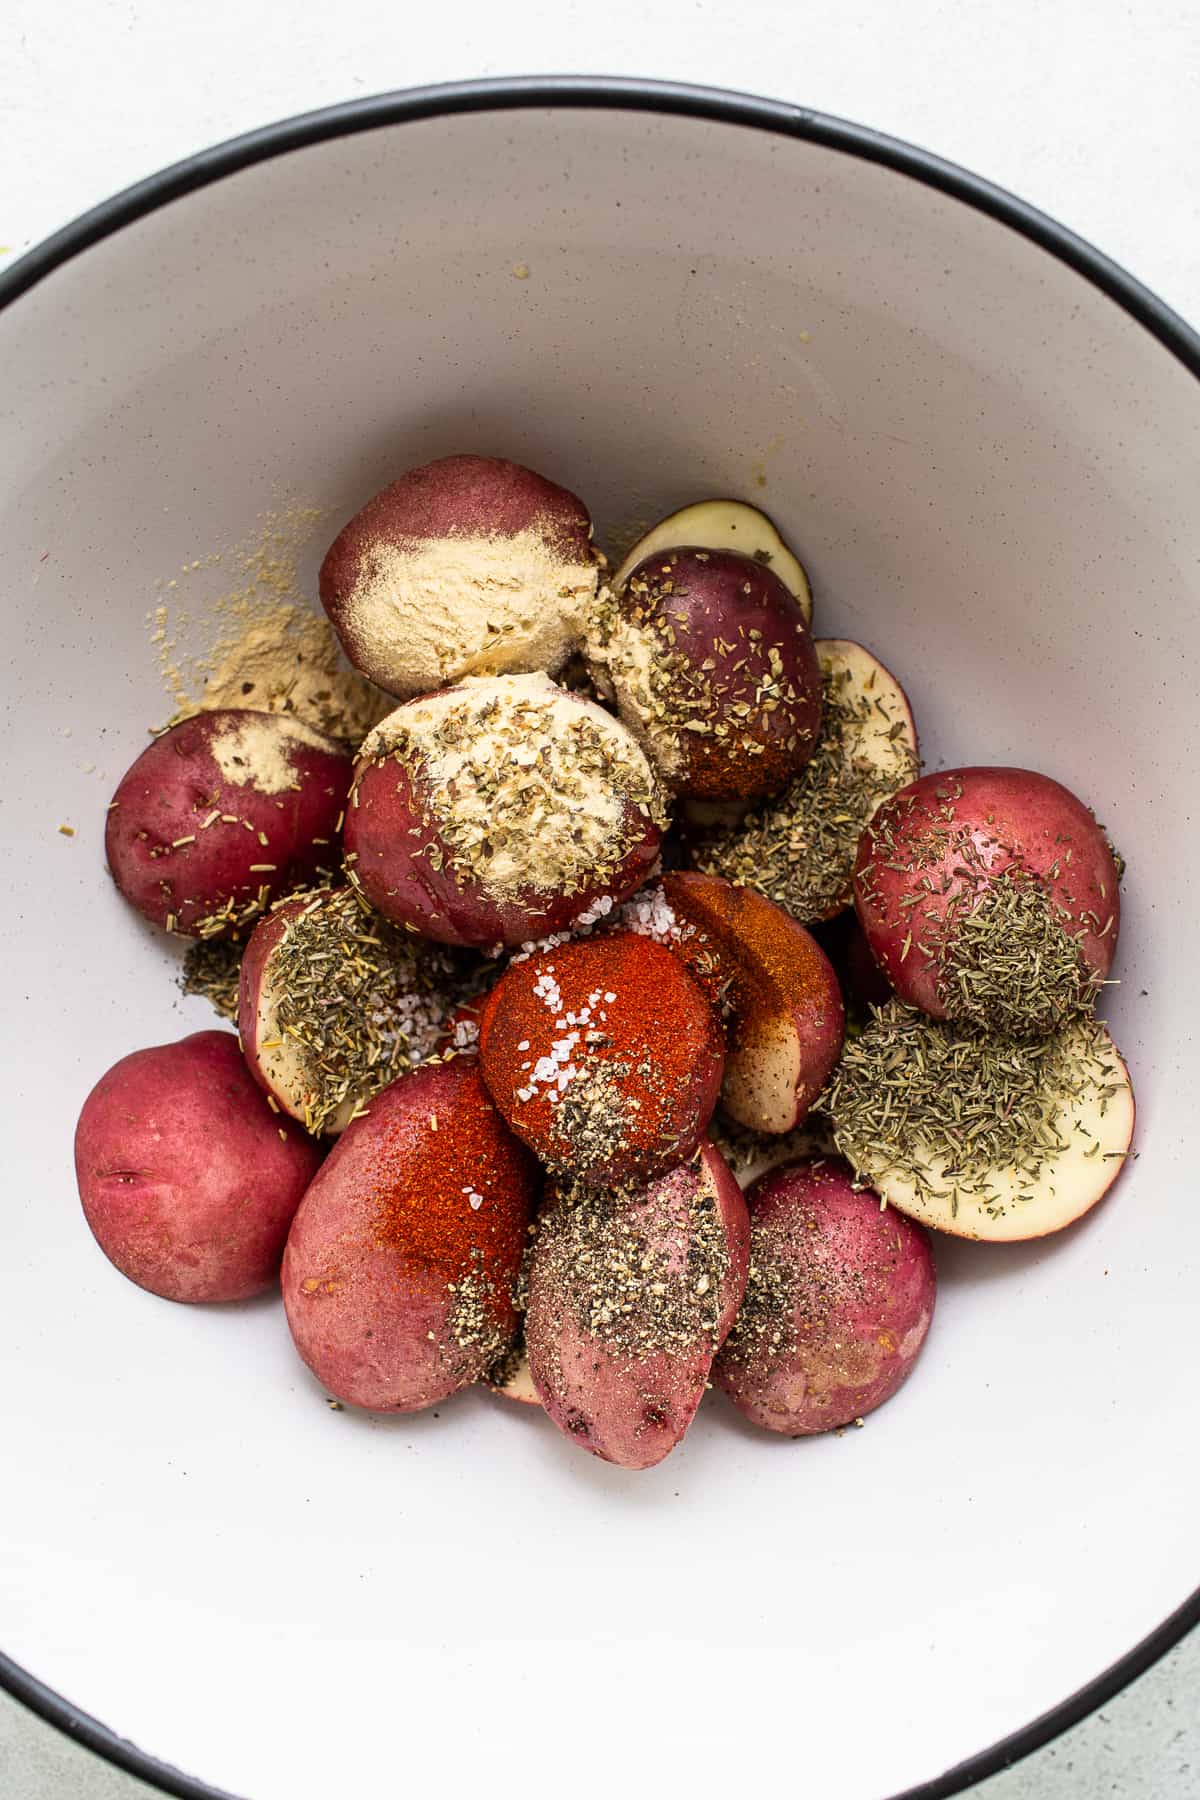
point(269, 650)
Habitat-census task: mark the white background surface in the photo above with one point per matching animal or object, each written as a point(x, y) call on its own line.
point(1091, 111)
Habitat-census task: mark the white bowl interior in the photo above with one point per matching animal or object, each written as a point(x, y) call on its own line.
point(990, 470)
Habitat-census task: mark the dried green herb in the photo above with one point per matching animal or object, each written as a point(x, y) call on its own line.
point(211, 969)
point(1006, 961)
point(798, 847)
point(910, 1091)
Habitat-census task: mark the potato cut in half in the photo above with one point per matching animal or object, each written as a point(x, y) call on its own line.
point(798, 847)
point(982, 1137)
point(723, 525)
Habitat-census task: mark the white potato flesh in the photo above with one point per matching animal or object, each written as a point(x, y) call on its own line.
point(1097, 1128)
point(723, 525)
point(866, 678)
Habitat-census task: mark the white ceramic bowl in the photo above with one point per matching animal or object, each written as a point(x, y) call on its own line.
point(986, 442)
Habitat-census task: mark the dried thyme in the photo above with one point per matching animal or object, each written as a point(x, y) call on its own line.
point(1007, 963)
point(211, 969)
point(913, 1098)
point(360, 1001)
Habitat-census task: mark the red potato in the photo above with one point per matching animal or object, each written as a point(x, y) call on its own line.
point(223, 812)
point(604, 1056)
point(334, 1004)
point(785, 1014)
point(837, 1307)
point(709, 661)
point(500, 811)
point(188, 1180)
point(798, 847)
point(992, 1138)
point(400, 1268)
point(629, 1297)
point(723, 525)
point(989, 897)
point(467, 566)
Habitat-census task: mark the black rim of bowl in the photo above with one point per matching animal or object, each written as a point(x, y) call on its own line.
point(713, 104)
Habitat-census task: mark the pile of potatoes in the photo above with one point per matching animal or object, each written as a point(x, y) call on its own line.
point(558, 993)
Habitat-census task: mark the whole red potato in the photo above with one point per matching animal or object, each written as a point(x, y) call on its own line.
point(989, 897)
point(629, 1296)
point(466, 566)
point(401, 1266)
point(709, 660)
point(223, 812)
point(188, 1180)
point(838, 1303)
point(499, 811)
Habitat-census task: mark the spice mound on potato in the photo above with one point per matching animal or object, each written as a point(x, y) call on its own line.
point(630, 1295)
point(604, 1056)
point(838, 1302)
point(724, 525)
point(989, 897)
point(401, 1265)
point(222, 813)
point(335, 1003)
point(799, 846)
point(499, 811)
point(982, 1136)
point(188, 1180)
point(467, 566)
point(708, 659)
point(777, 988)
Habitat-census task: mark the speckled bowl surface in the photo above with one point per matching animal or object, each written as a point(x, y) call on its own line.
point(985, 443)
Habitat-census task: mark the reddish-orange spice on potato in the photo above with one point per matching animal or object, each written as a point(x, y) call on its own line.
point(604, 1056)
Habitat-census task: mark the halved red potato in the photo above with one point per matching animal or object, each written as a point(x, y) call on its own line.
point(989, 896)
point(838, 1303)
point(752, 1154)
point(335, 1003)
point(779, 991)
point(604, 1056)
point(798, 847)
point(709, 661)
point(188, 1180)
point(220, 814)
point(724, 525)
point(982, 1137)
point(498, 811)
point(400, 1268)
point(466, 566)
point(630, 1295)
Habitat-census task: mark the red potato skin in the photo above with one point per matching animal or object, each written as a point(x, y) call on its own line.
point(452, 497)
point(176, 784)
point(386, 862)
point(387, 1227)
point(188, 1180)
point(1016, 818)
point(859, 1286)
point(716, 599)
point(774, 974)
point(629, 1410)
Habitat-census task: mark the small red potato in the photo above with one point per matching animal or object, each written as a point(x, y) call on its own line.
point(334, 1004)
point(723, 525)
point(499, 811)
point(604, 1056)
point(709, 661)
point(220, 814)
point(400, 1269)
point(188, 1180)
point(784, 1011)
point(798, 847)
point(630, 1295)
point(994, 1138)
point(838, 1303)
point(989, 897)
point(467, 566)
